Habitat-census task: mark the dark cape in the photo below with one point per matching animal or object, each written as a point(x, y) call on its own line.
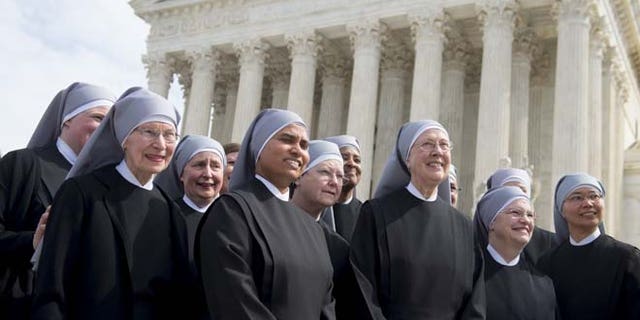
point(263, 258)
point(541, 241)
point(29, 179)
point(417, 260)
point(600, 280)
point(346, 216)
point(518, 292)
point(112, 250)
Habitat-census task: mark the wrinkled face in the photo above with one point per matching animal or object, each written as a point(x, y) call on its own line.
point(514, 225)
point(428, 163)
point(77, 130)
point(583, 209)
point(352, 167)
point(202, 177)
point(231, 162)
point(147, 154)
point(518, 184)
point(321, 185)
point(454, 192)
point(285, 156)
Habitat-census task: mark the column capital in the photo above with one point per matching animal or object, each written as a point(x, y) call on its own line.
point(497, 13)
point(367, 34)
point(252, 50)
point(525, 43)
point(396, 56)
point(334, 65)
point(597, 38)
point(428, 22)
point(541, 68)
point(573, 10)
point(158, 64)
point(456, 51)
point(307, 43)
point(279, 72)
point(474, 70)
point(202, 59)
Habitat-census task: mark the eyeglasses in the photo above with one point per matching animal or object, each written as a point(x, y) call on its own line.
point(518, 214)
point(429, 146)
point(169, 136)
point(577, 198)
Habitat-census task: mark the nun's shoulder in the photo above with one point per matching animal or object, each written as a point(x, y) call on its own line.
point(624, 248)
point(20, 157)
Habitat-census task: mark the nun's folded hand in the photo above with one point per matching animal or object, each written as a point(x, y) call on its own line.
point(42, 224)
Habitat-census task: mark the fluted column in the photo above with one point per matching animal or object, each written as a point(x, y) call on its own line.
point(366, 39)
point(393, 81)
point(158, 73)
point(427, 30)
point(466, 164)
point(251, 55)
point(617, 219)
point(231, 99)
point(219, 113)
point(631, 203)
point(204, 63)
point(609, 126)
point(279, 72)
point(594, 131)
point(570, 145)
point(332, 105)
point(492, 145)
point(303, 48)
point(523, 47)
point(453, 74)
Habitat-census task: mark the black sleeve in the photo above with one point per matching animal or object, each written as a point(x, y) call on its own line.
point(475, 306)
point(225, 258)
point(59, 252)
point(630, 295)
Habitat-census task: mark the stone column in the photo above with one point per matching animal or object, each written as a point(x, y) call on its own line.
point(204, 63)
point(230, 107)
point(182, 68)
point(617, 220)
point(366, 39)
point(466, 164)
point(492, 145)
point(219, 113)
point(609, 103)
point(279, 71)
point(158, 72)
point(393, 80)
point(594, 131)
point(631, 203)
point(523, 48)
point(455, 60)
point(427, 31)
point(251, 55)
point(332, 105)
point(303, 48)
point(570, 146)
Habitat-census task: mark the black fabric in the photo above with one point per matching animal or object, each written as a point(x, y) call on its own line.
point(112, 251)
point(600, 280)
point(518, 292)
point(541, 241)
point(263, 258)
point(417, 259)
point(346, 216)
point(29, 179)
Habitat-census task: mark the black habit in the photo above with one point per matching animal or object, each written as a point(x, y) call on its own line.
point(541, 241)
point(600, 280)
point(417, 259)
point(112, 250)
point(29, 179)
point(518, 292)
point(346, 216)
point(263, 258)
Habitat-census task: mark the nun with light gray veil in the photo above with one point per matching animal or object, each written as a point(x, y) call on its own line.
point(115, 245)
point(260, 256)
point(414, 253)
point(29, 180)
point(595, 276)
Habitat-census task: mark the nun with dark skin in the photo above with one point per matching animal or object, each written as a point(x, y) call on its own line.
point(115, 245)
point(29, 180)
point(260, 256)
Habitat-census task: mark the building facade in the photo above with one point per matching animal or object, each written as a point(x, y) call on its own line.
point(551, 86)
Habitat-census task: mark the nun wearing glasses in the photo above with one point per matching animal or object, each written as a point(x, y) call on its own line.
point(503, 223)
point(115, 247)
point(595, 276)
point(414, 253)
point(260, 256)
point(29, 180)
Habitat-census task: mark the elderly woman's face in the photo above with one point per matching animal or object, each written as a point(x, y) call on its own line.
point(77, 130)
point(352, 167)
point(321, 184)
point(583, 209)
point(149, 148)
point(285, 156)
point(202, 177)
point(514, 225)
point(428, 163)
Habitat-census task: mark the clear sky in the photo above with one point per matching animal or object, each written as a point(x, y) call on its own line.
point(48, 44)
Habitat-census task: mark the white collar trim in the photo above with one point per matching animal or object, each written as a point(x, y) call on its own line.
point(66, 151)
point(272, 188)
point(414, 191)
point(499, 259)
point(194, 206)
point(590, 238)
point(124, 171)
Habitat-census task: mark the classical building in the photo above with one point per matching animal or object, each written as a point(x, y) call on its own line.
point(547, 85)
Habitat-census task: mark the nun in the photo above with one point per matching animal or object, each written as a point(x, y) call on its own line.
point(260, 256)
point(116, 247)
point(29, 179)
point(503, 223)
point(595, 276)
point(345, 212)
point(414, 252)
point(454, 186)
point(541, 240)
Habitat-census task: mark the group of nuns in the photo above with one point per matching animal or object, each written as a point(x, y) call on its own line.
point(122, 219)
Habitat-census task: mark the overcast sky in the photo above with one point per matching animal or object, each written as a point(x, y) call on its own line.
point(48, 44)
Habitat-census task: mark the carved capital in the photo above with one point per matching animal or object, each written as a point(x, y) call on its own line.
point(306, 43)
point(497, 13)
point(367, 35)
point(456, 51)
point(251, 51)
point(431, 22)
point(474, 69)
point(525, 43)
point(158, 65)
point(395, 56)
point(540, 69)
point(597, 39)
point(203, 60)
point(334, 65)
point(578, 11)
